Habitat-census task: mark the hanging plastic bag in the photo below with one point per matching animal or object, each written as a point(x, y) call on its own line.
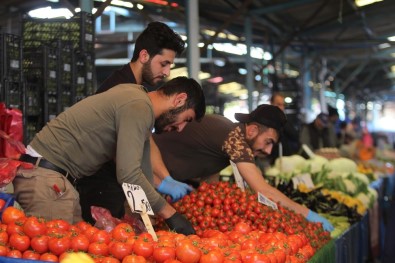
point(8, 169)
point(11, 132)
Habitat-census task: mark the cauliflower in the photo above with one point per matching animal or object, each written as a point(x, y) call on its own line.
point(342, 164)
point(361, 177)
point(272, 171)
point(290, 164)
point(350, 186)
point(317, 163)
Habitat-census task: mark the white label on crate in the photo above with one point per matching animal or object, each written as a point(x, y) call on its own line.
point(67, 67)
point(239, 180)
point(81, 80)
point(136, 198)
point(303, 179)
point(89, 75)
point(266, 201)
point(89, 37)
point(52, 74)
point(14, 64)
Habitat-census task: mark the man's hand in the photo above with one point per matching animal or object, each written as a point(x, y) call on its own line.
point(314, 217)
point(180, 224)
point(173, 188)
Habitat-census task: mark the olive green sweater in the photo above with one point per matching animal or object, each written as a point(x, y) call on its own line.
point(113, 124)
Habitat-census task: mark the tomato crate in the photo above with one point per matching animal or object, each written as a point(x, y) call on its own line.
point(78, 30)
point(11, 57)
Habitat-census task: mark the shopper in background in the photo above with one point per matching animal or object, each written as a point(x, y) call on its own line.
point(289, 136)
point(333, 125)
point(205, 148)
point(114, 125)
point(154, 53)
point(316, 134)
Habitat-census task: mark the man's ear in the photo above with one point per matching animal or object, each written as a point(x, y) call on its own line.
point(180, 99)
point(252, 130)
point(143, 56)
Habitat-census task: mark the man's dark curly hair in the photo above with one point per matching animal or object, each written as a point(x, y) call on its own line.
point(156, 37)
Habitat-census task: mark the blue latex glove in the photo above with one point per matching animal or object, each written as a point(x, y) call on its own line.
point(173, 188)
point(314, 217)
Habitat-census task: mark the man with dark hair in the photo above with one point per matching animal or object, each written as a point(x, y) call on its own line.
point(154, 53)
point(205, 148)
point(316, 133)
point(289, 137)
point(113, 125)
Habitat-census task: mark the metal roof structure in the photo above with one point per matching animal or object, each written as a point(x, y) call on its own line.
point(332, 39)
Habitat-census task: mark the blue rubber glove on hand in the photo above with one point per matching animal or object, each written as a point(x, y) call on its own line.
point(314, 217)
point(174, 188)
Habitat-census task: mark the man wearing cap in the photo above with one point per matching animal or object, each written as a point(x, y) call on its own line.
point(204, 149)
point(316, 134)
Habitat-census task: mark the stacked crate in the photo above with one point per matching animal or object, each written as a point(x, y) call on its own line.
point(58, 58)
point(11, 85)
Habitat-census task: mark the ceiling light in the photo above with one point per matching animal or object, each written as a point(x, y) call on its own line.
point(391, 38)
point(384, 45)
point(361, 3)
point(48, 12)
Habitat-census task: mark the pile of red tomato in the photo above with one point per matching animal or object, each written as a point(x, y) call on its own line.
point(30, 237)
point(231, 226)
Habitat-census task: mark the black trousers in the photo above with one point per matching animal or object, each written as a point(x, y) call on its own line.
point(103, 190)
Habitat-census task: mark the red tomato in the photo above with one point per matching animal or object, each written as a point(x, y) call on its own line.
point(122, 231)
point(161, 254)
point(186, 252)
point(3, 237)
point(242, 227)
point(79, 242)
point(10, 214)
point(98, 248)
point(58, 244)
point(100, 236)
point(14, 253)
point(30, 254)
point(49, 257)
point(134, 259)
point(40, 243)
point(213, 256)
point(15, 227)
point(19, 241)
point(34, 226)
point(143, 247)
point(119, 249)
point(109, 260)
point(82, 225)
point(3, 250)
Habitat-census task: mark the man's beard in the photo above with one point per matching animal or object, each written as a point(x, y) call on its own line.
point(167, 118)
point(148, 77)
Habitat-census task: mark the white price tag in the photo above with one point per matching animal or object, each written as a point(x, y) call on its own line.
point(137, 199)
point(239, 180)
point(266, 201)
point(303, 179)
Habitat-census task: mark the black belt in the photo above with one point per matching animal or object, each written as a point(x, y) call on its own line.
point(47, 165)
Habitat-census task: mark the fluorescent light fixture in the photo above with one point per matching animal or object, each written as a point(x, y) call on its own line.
point(391, 38)
point(384, 45)
point(241, 49)
point(361, 3)
point(48, 12)
point(393, 68)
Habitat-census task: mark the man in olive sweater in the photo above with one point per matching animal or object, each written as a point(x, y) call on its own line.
point(115, 125)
